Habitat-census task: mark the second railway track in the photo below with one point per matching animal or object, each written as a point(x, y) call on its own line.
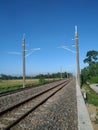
point(15, 114)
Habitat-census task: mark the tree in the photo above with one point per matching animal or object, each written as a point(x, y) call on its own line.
point(92, 57)
point(92, 69)
point(85, 75)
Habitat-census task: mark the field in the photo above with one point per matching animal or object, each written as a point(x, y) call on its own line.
point(7, 85)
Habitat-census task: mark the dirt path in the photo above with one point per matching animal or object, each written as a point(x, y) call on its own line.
point(93, 112)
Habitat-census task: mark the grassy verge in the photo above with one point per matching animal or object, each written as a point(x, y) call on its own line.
point(93, 80)
point(7, 85)
point(92, 96)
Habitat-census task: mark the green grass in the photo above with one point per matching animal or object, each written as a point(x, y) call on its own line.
point(93, 80)
point(92, 96)
point(7, 85)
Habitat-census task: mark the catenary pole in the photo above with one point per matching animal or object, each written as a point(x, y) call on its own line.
point(23, 59)
point(61, 71)
point(77, 57)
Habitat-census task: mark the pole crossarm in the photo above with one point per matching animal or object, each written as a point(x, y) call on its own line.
point(31, 51)
point(66, 47)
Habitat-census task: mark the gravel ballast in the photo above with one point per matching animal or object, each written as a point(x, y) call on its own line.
point(15, 98)
point(58, 113)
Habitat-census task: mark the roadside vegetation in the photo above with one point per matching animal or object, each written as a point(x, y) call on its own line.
point(90, 72)
point(92, 95)
point(89, 75)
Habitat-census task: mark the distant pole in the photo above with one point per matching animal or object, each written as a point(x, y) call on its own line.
point(61, 71)
point(67, 75)
point(77, 58)
point(23, 59)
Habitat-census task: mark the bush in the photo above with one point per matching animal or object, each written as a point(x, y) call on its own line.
point(42, 80)
point(94, 79)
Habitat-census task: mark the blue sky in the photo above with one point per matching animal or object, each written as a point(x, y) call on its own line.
point(47, 24)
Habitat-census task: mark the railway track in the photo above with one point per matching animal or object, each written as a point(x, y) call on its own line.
point(11, 99)
point(14, 114)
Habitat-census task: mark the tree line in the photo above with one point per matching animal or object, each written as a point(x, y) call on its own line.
point(48, 75)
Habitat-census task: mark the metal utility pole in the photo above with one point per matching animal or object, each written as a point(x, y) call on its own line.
point(77, 58)
point(61, 71)
point(67, 75)
point(23, 59)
